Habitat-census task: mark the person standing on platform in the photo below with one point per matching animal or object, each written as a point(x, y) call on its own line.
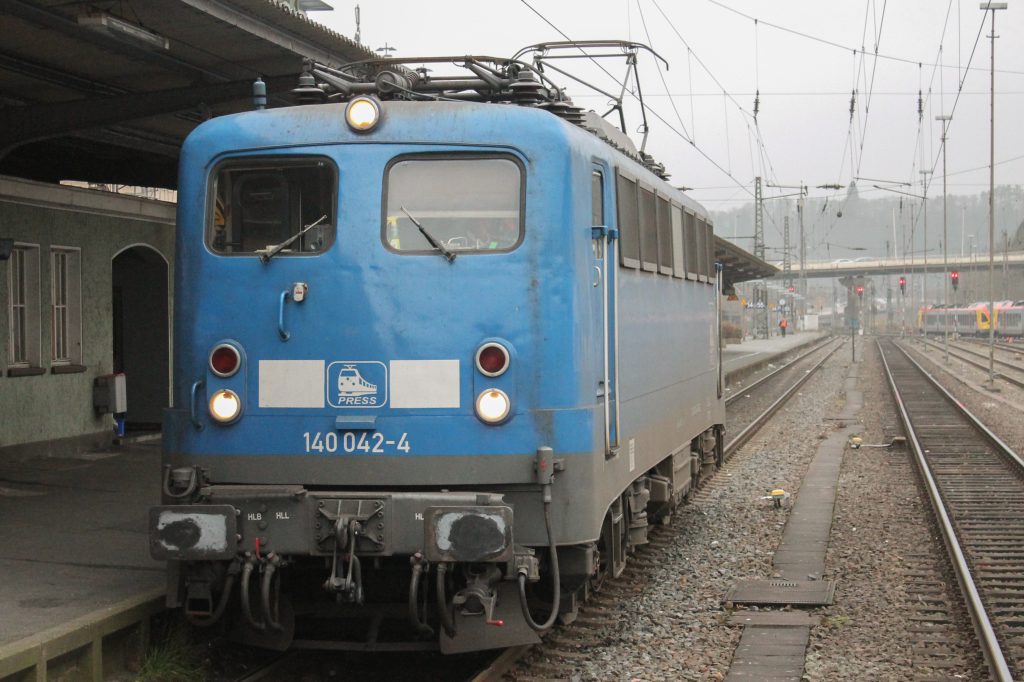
point(783, 324)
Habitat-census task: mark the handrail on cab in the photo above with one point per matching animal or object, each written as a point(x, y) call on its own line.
point(280, 316)
point(194, 405)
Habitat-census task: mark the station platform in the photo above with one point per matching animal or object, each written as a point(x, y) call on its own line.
point(75, 528)
point(75, 536)
point(741, 359)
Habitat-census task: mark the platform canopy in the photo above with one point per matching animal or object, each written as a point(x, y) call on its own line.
point(106, 91)
point(739, 265)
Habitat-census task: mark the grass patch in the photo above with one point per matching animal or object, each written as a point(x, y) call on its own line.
point(173, 656)
point(838, 621)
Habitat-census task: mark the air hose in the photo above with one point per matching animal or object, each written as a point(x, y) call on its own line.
point(442, 601)
point(273, 561)
point(243, 592)
point(555, 579)
point(419, 626)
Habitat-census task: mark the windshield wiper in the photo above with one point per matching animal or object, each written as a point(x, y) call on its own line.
point(271, 251)
point(430, 238)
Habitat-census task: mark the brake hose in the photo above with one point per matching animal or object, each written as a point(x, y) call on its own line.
point(555, 579)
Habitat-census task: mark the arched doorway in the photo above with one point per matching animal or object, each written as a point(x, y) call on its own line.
point(140, 333)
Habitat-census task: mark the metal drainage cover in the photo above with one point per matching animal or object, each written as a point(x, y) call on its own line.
point(782, 592)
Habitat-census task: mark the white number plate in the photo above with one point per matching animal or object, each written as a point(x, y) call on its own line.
point(354, 442)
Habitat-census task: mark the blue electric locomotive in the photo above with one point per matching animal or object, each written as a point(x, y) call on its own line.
point(444, 360)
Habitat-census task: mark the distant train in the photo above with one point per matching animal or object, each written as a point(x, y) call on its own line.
point(973, 319)
point(445, 348)
point(966, 321)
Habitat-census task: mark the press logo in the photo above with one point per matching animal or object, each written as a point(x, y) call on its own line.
point(357, 384)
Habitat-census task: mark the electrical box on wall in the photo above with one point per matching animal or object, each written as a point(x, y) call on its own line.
point(109, 394)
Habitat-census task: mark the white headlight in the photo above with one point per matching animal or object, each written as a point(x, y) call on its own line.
point(225, 406)
point(362, 113)
point(493, 406)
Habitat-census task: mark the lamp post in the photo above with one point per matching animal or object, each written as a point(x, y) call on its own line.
point(992, 7)
point(945, 118)
point(924, 281)
point(910, 250)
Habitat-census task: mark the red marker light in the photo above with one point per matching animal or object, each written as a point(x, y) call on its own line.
point(492, 359)
point(224, 360)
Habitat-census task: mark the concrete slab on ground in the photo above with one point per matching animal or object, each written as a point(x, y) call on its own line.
point(769, 654)
point(775, 651)
point(75, 535)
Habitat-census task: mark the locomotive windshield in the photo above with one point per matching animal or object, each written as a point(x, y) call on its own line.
point(261, 203)
point(469, 204)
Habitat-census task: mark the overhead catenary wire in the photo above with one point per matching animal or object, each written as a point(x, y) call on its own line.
point(653, 112)
point(728, 95)
point(832, 43)
point(661, 74)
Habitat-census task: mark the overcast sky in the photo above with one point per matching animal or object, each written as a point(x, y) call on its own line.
point(799, 55)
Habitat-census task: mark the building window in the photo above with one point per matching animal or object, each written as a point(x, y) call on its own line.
point(23, 285)
point(65, 306)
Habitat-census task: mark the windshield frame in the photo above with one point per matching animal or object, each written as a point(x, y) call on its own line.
point(451, 156)
point(257, 161)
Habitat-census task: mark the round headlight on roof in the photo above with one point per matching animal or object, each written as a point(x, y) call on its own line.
point(362, 113)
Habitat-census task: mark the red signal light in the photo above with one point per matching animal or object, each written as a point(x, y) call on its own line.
point(903, 285)
point(954, 278)
point(791, 289)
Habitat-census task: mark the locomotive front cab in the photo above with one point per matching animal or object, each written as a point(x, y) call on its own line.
point(362, 391)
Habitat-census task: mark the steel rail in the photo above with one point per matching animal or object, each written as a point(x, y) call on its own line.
point(1000, 345)
point(981, 365)
point(759, 421)
point(500, 666)
point(971, 351)
point(982, 624)
point(766, 377)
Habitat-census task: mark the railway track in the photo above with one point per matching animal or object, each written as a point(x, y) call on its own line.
point(976, 486)
point(1014, 348)
point(765, 396)
point(967, 356)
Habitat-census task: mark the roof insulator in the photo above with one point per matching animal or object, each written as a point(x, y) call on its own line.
point(308, 92)
point(259, 93)
point(526, 89)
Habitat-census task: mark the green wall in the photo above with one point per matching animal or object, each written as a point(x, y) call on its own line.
point(58, 407)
